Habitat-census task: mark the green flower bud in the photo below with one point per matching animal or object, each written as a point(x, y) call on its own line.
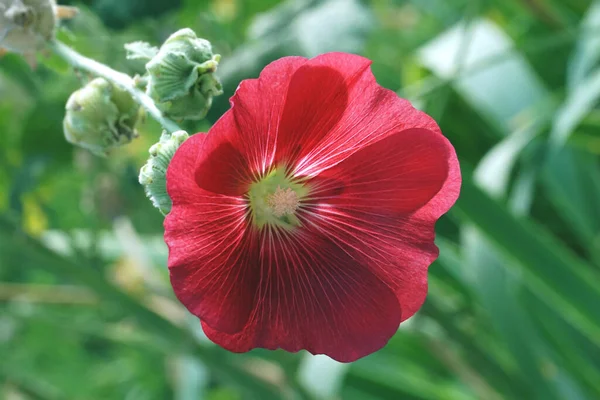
point(26, 25)
point(153, 175)
point(100, 117)
point(181, 76)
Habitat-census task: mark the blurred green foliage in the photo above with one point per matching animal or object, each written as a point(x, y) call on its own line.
point(86, 311)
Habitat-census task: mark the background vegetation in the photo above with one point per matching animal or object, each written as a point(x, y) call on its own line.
point(86, 310)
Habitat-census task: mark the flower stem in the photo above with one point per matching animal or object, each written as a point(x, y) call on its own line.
point(118, 78)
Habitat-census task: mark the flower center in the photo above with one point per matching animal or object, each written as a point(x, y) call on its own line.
point(283, 202)
point(274, 200)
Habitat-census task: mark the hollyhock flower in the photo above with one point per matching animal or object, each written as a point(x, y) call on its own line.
point(305, 218)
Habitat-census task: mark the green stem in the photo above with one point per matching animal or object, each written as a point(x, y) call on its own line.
point(118, 78)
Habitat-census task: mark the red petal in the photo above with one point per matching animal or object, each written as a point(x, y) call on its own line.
point(396, 175)
point(449, 192)
point(398, 250)
point(221, 166)
point(181, 182)
point(316, 102)
point(395, 240)
point(334, 108)
point(257, 106)
point(421, 225)
point(314, 296)
point(241, 144)
point(210, 250)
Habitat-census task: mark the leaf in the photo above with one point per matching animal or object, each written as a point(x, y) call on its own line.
point(476, 352)
point(170, 336)
point(34, 387)
point(583, 85)
point(572, 182)
point(573, 351)
point(335, 25)
point(521, 197)
point(140, 51)
point(191, 379)
point(577, 105)
point(317, 26)
point(552, 271)
point(321, 376)
point(15, 67)
point(496, 289)
point(494, 169)
point(480, 352)
point(495, 285)
point(477, 80)
point(587, 51)
point(490, 89)
point(278, 18)
point(378, 375)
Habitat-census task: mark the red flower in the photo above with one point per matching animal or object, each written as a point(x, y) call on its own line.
point(305, 218)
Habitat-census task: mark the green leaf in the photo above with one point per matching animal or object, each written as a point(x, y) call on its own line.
point(551, 270)
point(321, 376)
point(494, 170)
point(496, 289)
point(496, 373)
point(587, 51)
point(572, 182)
point(478, 353)
point(191, 379)
point(14, 67)
point(577, 105)
point(140, 51)
point(379, 375)
point(573, 350)
point(171, 337)
point(455, 54)
point(334, 25)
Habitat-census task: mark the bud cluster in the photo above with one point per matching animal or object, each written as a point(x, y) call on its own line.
point(181, 74)
point(100, 116)
point(180, 81)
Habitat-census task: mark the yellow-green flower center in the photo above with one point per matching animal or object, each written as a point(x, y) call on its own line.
point(275, 199)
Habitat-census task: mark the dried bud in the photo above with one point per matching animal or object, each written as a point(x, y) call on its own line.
point(181, 76)
point(26, 25)
point(153, 175)
point(100, 117)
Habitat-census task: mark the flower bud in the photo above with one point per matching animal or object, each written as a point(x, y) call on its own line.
point(26, 25)
point(153, 175)
point(100, 117)
point(181, 76)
